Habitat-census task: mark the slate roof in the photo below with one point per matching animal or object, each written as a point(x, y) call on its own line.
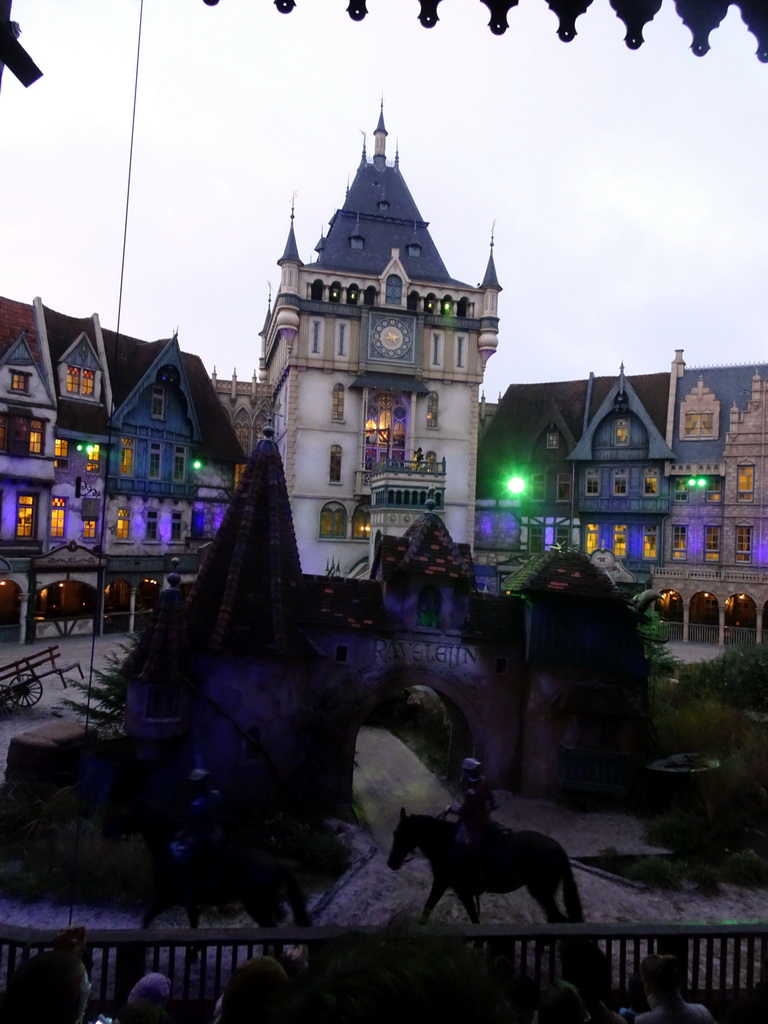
point(730, 384)
point(344, 603)
point(17, 318)
point(382, 231)
point(128, 360)
point(563, 572)
point(248, 592)
point(426, 548)
point(525, 409)
point(162, 652)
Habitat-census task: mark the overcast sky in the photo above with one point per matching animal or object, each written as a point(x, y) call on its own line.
point(629, 188)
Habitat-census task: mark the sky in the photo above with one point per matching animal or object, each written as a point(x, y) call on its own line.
point(627, 189)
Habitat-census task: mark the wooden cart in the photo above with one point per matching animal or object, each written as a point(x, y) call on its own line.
point(21, 681)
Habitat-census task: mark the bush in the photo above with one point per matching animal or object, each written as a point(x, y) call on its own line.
point(738, 678)
point(660, 872)
point(746, 868)
point(101, 702)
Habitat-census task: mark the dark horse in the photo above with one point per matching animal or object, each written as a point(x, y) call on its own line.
point(509, 860)
point(255, 879)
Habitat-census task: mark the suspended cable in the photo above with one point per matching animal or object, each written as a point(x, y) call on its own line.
point(110, 376)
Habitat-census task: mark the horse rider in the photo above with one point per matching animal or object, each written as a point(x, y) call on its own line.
point(197, 841)
point(474, 815)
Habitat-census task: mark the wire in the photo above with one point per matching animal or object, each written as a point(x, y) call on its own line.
point(98, 617)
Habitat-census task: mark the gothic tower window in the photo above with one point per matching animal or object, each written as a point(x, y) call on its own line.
point(334, 293)
point(334, 467)
point(243, 430)
point(337, 403)
point(386, 422)
point(394, 290)
point(361, 522)
point(353, 294)
point(432, 410)
point(333, 520)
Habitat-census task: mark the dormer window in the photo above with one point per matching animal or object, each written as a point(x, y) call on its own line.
point(383, 205)
point(356, 242)
point(621, 431)
point(394, 292)
point(80, 381)
point(414, 249)
point(20, 381)
point(158, 402)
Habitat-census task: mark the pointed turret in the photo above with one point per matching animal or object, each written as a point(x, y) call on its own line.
point(488, 341)
point(291, 254)
point(380, 137)
point(247, 592)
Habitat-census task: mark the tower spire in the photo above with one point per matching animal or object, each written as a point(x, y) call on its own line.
point(380, 136)
point(491, 280)
point(291, 253)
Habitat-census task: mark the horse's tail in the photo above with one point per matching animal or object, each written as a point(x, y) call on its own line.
point(296, 899)
point(571, 896)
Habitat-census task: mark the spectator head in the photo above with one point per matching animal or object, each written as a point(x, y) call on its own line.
point(49, 987)
point(256, 984)
point(154, 988)
point(142, 1011)
point(586, 966)
point(561, 1004)
point(638, 1001)
point(660, 974)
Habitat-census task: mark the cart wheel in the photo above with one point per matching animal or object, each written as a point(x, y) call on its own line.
point(27, 690)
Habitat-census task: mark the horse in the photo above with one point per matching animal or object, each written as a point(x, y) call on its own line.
point(508, 860)
point(255, 879)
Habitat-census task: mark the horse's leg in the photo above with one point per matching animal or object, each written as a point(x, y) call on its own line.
point(545, 897)
point(156, 907)
point(437, 890)
point(470, 902)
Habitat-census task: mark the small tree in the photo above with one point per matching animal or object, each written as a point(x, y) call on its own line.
point(100, 702)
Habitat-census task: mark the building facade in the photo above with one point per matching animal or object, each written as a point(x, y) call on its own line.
point(374, 356)
point(660, 478)
point(115, 457)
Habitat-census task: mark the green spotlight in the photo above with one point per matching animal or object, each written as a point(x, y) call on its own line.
point(516, 484)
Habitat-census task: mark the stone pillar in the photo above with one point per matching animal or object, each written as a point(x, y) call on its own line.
point(721, 624)
point(686, 616)
point(23, 618)
point(132, 610)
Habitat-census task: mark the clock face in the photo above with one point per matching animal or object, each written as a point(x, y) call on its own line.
point(391, 337)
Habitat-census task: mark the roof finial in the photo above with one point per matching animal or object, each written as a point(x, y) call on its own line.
point(293, 201)
point(397, 154)
point(269, 296)
point(364, 158)
point(493, 231)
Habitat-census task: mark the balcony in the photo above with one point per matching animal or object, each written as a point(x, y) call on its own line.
point(623, 503)
point(396, 482)
point(147, 488)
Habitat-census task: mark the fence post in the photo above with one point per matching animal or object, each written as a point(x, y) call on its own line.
point(129, 967)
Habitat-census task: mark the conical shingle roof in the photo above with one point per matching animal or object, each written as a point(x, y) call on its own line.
point(161, 655)
point(428, 548)
point(563, 572)
point(246, 595)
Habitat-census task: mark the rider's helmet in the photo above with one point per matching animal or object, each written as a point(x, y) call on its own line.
point(199, 776)
point(471, 768)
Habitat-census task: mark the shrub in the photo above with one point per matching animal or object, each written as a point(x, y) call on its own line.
point(739, 678)
point(745, 868)
point(660, 872)
point(101, 701)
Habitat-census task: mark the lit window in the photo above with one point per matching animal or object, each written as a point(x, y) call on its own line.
point(179, 463)
point(361, 523)
point(334, 469)
point(619, 481)
point(73, 379)
point(563, 486)
point(651, 481)
point(87, 378)
point(592, 481)
point(239, 470)
point(26, 505)
point(592, 539)
point(713, 488)
point(93, 453)
point(19, 381)
point(699, 424)
point(679, 542)
point(123, 524)
point(154, 460)
point(36, 437)
point(432, 410)
point(126, 457)
point(89, 529)
point(650, 534)
point(681, 489)
point(158, 402)
point(61, 453)
point(621, 431)
point(620, 541)
point(80, 381)
point(333, 520)
point(553, 439)
point(743, 543)
point(337, 402)
point(746, 483)
point(58, 511)
point(712, 544)
point(151, 533)
point(175, 525)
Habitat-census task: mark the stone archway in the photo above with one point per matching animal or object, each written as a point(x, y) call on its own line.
point(64, 607)
point(670, 608)
point(704, 618)
point(740, 619)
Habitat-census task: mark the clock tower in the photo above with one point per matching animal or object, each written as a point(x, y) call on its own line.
point(375, 355)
